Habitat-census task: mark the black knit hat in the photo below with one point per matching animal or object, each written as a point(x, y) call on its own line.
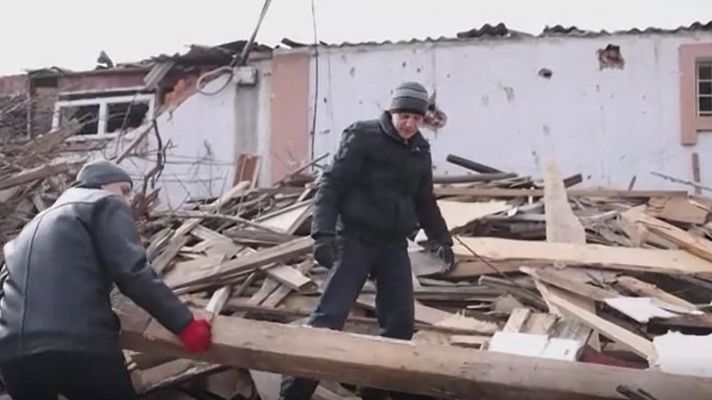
point(410, 97)
point(99, 173)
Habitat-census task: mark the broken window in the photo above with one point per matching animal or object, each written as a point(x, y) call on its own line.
point(122, 116)
point(102, 114)
point(88, 115)
point(704, 89)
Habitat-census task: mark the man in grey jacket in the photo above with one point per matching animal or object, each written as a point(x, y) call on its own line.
point(58, 333)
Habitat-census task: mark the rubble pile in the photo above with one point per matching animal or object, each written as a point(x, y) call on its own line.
point(32, 175)
point(545, 270)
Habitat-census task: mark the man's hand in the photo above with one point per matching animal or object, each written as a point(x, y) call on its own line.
point(448, 256)
point(197, 336)
point(443, 252)
point(325, 251)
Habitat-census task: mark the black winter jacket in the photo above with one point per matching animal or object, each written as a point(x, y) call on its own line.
point(61, 269)
point(380, 185)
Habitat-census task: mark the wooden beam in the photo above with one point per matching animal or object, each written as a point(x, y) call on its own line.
point(619, 258)
point(696, 171)
point(694, 244)
point(642, 346)
point(553, 277)
point(516, 320)
point(501, 192)
point(679, 209)
point(645, 289)
point(562, 225)
point(436, 370)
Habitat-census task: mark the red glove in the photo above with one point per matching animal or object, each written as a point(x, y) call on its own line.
point(197, 336)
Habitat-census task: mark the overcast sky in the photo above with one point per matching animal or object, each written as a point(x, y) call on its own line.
point(71, 33)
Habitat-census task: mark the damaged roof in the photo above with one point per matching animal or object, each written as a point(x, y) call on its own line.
point(501, 31)
point(219, 55)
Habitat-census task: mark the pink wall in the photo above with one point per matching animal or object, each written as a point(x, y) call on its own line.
point(289, 137)
point(691, 123)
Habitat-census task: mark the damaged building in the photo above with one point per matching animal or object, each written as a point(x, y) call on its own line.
point(640, 100)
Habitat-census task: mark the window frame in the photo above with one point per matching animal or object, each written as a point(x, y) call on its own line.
point(103, 102)
point(698, 96)
point(691, 122)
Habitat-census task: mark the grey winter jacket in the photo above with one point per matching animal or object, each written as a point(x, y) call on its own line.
point(61, 269)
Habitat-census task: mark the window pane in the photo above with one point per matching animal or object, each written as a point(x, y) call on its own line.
point(125, 116)
point(705, 105)
point(87, 114)
point(704, 71)
point(705, 88)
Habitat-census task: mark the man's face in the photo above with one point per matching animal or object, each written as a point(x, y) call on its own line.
point(122, 189)
point(406, 124)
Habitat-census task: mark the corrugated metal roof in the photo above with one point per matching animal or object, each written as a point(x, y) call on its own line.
point(501, 31)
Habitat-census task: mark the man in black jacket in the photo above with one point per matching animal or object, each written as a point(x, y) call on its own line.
point(379, 189)
point(58, 333)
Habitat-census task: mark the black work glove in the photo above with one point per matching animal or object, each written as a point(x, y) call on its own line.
point(448, 256)
point(325, 251)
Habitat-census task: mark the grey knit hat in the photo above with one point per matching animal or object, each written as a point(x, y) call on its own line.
point(410, 97)
point(101, 172)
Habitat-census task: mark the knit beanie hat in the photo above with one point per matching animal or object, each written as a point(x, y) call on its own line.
point(101, 172)
point(410, 97)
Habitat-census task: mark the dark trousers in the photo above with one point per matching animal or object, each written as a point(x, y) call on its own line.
point(389, 264)
point(76, 376)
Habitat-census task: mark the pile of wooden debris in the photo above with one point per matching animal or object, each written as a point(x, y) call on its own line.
point(558, 293)
point(32, 175)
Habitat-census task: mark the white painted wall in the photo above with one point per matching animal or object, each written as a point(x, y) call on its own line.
point(609, 125)
point(205, 136)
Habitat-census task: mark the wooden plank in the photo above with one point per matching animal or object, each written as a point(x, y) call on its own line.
point(458, 214)
point(561, 224)
point(286, 219)
point(437, 317)
point(640, 235)
point(429, 369)
point(268, 287)
point(218, 300)
point(40, 172)
point(292, 278)
point(516, 320)
point(696, 171)
point(543, 253)
point(645, 289)
point(539, 323)
point(501, 192)
point(267, 384)
point(552, 276)
point(274, 299)
point(679, 209)
point(248, 169)
point(642, 346)
point(251, 262)
point(694, 244)
point(169, 253)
